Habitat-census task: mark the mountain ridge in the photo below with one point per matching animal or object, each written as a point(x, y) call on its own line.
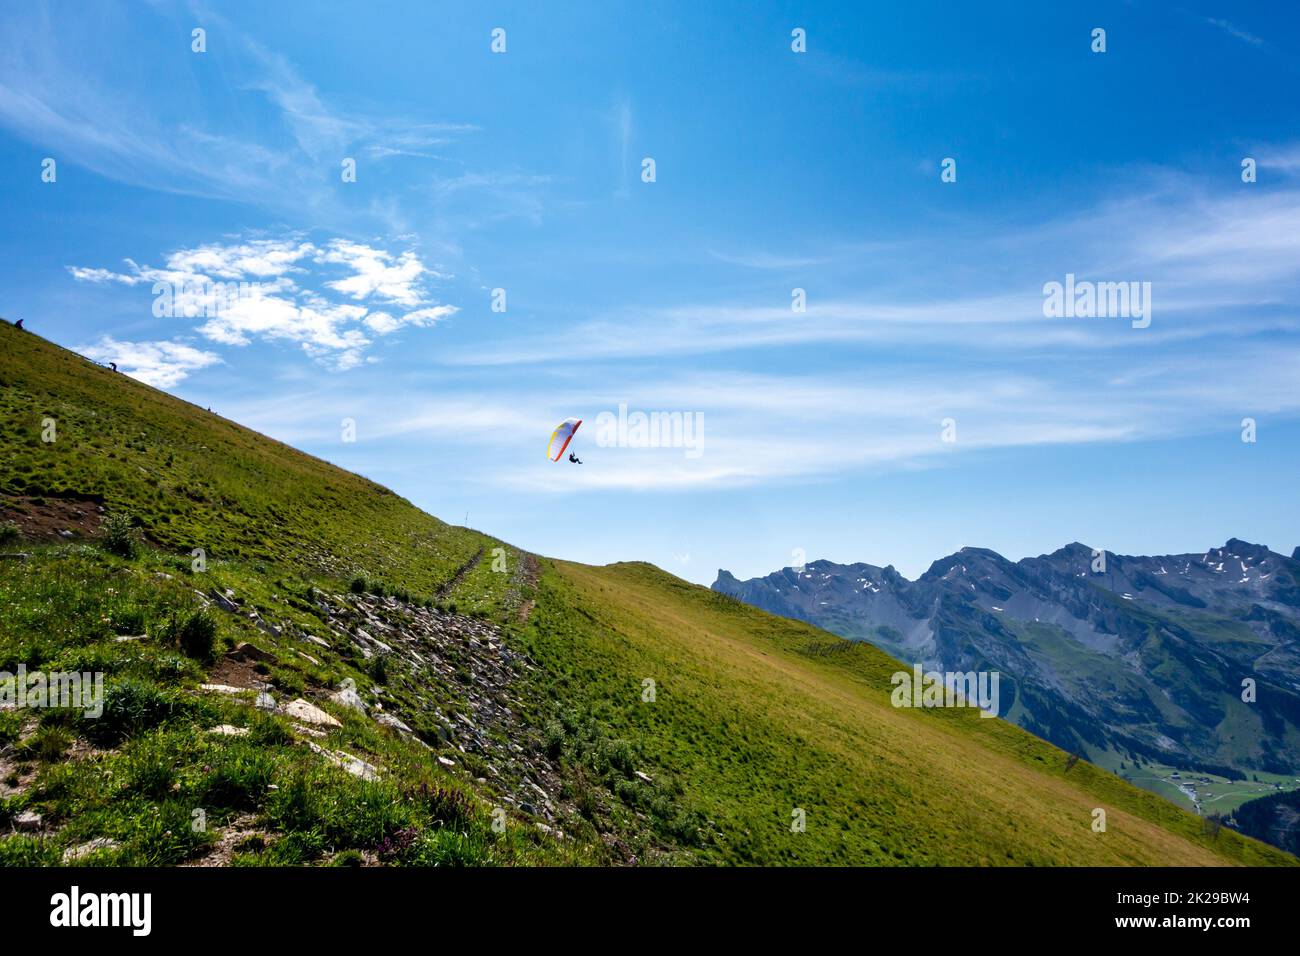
point(1146, 631)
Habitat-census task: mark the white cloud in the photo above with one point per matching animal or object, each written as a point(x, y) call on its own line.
point(381, 323)
point(280, 290)
point(100, 276)
point(315, 323)
point(376, 273)
point(259, 258)
point(427, 317)
point(160, 364)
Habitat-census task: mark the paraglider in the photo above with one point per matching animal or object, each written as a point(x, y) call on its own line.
point(561, 437)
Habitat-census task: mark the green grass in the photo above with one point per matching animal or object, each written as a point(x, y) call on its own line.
point(753, 717)
point(191, 479)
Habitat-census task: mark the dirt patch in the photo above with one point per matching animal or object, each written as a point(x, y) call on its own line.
point(230, 841)
point(14, 777)
point(17, 775)
point(525, 609)
point(83, 749)
point(46, 518)
point(234, 672)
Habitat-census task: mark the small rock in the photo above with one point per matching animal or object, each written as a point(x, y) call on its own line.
point(310, 714)
point(644, 777)
point(347, 696)
point(388, 720)
point(28, 821)
point(223, 601)
point(74, 853)
point(249, 652)
point(229, 730)
point(356, 766)
point(446, 762)
point(222, 689)
point(264, 702)
point(353, 765)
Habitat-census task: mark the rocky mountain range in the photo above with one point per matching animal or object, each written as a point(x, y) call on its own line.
point(1108, 656)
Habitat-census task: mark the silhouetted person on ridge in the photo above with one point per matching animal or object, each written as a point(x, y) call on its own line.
point(18, 324)
point(113, 366)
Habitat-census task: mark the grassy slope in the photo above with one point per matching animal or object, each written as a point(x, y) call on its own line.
point(761, 715)
point(197, 480)
point(275, 523)
point(754, 715)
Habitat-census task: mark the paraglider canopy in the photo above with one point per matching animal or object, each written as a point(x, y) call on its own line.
point(561, 437)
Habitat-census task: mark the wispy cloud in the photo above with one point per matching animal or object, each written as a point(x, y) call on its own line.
point(1205, 253)
point(276, 142)
point(794, 428)
point(766, 260)
point(1235, 31)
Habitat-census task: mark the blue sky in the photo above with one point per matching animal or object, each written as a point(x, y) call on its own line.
point(775, 170)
